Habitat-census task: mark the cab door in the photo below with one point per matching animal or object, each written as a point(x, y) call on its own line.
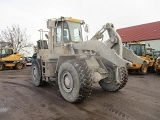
point(61, 38)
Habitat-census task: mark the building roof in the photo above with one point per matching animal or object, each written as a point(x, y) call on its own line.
point(149, 31)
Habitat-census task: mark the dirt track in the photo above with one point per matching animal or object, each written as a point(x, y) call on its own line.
point(20, 100)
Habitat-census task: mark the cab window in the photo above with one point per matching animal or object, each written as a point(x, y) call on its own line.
point(59, 33)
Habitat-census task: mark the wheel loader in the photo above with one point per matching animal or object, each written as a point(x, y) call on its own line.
point(157, 65)
point(9, 59)
point(64, 57)
point(145, 53)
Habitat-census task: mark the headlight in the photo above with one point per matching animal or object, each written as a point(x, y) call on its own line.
point(21, 59)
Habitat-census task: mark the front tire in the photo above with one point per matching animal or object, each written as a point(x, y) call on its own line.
point(143, 69)
point(19, 66)
point(110, 84)
point(1, 66)
point(75, 81)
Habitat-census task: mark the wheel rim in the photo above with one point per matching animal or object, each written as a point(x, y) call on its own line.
point(35, 73)
point(110, 77)
point(19, 66)
point(118, 82)
point(67, 82)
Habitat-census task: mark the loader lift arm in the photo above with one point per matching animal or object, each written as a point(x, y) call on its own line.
point(115, 42)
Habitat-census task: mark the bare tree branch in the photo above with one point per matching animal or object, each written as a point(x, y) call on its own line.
point(16, 36)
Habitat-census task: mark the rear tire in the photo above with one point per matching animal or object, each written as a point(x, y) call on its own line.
point(36, 74)
point(75, 81)
point(110, 84)
point(1, 66)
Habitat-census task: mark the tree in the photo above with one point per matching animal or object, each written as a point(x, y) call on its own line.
point(17, 38)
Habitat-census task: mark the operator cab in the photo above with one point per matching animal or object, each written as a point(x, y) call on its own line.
point(69, 30)
point(63, 33)
point(4, 52)
point(138, 49)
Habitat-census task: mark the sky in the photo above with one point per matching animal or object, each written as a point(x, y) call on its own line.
point(32, 14)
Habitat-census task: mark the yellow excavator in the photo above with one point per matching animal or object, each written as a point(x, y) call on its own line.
point(140, 49)
point(9, 59)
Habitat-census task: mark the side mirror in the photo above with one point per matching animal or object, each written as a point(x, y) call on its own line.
point(51, 23)
point(86, 28)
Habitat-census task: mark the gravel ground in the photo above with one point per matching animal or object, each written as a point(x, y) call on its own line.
point(20, 100)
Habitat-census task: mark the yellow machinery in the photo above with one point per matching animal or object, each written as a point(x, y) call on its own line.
point(157, 65)
point(140, 50)
point(10, 59)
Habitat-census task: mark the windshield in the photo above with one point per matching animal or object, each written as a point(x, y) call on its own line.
point(75, 31)
point(6, 51)
point(138, 49)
